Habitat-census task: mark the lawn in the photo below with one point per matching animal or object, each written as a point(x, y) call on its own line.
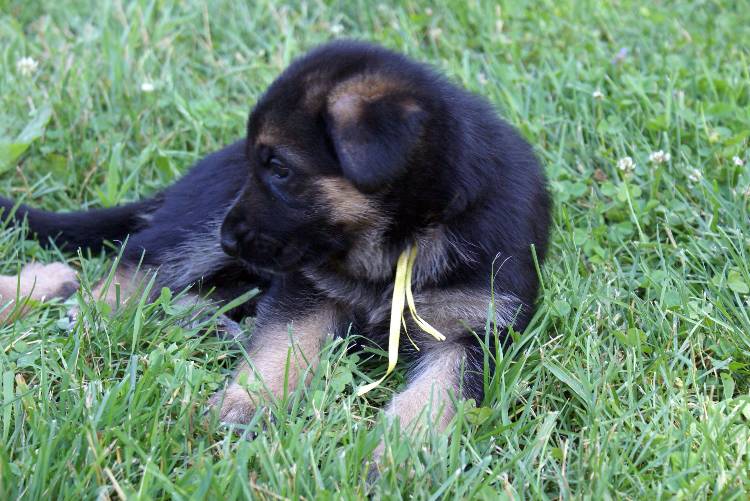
point(633, 380)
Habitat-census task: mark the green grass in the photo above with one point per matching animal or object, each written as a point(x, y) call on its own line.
point(632, 382)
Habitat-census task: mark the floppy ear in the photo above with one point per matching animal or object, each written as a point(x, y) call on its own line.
point(373, 137)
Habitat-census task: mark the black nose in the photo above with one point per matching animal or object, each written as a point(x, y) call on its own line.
point(233, 232)
point(229, 244)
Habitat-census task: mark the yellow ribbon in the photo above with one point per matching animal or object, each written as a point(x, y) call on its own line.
point(402, 294)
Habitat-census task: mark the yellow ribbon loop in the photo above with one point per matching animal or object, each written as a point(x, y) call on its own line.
point(402, 294)
point(421, 322)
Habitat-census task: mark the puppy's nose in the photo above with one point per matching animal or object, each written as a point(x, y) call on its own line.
point(234, 231)
point(229, 244)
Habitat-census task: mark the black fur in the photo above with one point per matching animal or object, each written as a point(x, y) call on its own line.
point(89, 229)
point(431, 159)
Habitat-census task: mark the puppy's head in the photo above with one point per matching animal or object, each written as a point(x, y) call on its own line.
point(345, 141)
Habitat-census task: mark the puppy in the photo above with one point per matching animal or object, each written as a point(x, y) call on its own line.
point(352, 156)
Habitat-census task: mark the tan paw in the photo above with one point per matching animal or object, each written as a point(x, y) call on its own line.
point(36, 282)
point(46, 281)
point(234, 404)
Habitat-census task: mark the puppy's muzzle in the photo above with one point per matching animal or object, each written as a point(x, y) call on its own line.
point(240, 241)
point(231, 235)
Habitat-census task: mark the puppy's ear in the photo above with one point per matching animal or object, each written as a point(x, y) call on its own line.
point(373, 135)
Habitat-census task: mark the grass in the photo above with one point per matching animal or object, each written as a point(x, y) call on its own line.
point(632, 382)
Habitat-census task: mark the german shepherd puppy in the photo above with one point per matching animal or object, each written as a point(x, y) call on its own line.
point(353, 154)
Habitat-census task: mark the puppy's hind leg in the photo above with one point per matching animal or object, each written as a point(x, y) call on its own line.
point(125, 283)
point(129, 282)
point(37, 282)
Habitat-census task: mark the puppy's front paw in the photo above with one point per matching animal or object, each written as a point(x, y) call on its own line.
point(234, 404)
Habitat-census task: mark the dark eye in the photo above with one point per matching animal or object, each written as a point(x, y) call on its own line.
point(278, 169)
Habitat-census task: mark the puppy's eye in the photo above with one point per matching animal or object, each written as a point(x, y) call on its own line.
point(278, 169)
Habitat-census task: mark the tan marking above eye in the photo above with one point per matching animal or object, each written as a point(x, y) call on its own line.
point(268, 136)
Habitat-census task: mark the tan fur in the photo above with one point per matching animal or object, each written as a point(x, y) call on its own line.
point(437, 253)
point(366, 86)
point(410, 106)
point(283, 352)
point(37, 282)
point(455, 310)
point(347, 99)
point(452, 312)
point(125, 283)
point(268, 136)
point(366, 257)
point(346, 109)
point(427, 398)
point(346, 205)
point(426, 401)
point(315, 90)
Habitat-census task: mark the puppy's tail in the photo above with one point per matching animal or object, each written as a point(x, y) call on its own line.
point(84, 229)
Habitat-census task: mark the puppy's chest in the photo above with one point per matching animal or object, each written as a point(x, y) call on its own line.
point(371, 318)
point(348, 292)
point(364, 308)
point(361, 307)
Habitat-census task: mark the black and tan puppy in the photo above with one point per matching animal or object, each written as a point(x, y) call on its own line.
point(353, 155)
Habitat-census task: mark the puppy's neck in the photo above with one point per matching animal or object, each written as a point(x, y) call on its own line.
point(372, 259)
